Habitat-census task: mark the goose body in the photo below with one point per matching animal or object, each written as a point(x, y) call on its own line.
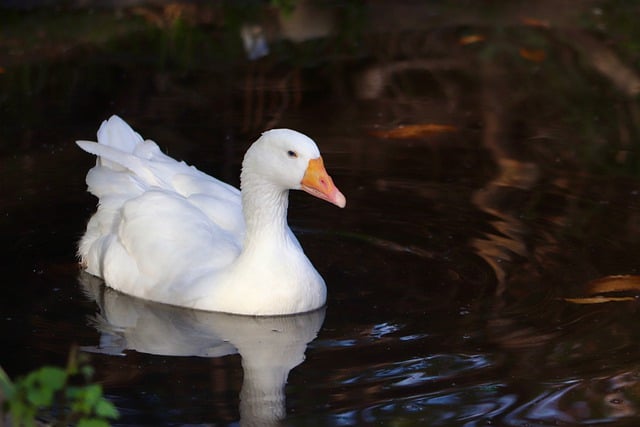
point(166, 232)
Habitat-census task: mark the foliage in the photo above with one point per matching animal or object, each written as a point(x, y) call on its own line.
point(285, 6)
point(64, 394)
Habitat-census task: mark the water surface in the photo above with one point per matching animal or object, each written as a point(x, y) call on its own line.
point(447, 272)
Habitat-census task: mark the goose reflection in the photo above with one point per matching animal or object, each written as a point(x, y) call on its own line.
point(269, 347)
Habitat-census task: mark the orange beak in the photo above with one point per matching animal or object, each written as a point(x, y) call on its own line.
point(318, 183)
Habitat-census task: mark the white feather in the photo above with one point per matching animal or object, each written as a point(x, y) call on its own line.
point(164, 231)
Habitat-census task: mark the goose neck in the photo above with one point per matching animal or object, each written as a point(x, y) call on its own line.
point(264, 206)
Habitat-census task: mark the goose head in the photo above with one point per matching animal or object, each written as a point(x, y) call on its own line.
point(290, 160)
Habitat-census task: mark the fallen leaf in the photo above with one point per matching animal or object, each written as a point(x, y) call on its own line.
point(610, 289)
point(536, 23)
point(413, 131)
point(151, 16)
point(470, 39)
point(598, 300)
point(619, 283)
point(2, 70)
point(534, 55)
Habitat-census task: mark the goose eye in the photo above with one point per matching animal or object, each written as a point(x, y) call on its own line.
point(292, 154)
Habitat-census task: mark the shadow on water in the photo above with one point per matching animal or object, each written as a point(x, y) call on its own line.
point(490, 160)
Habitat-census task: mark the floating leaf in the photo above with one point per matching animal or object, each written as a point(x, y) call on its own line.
point(621, 283)
point(413, 131)
point(536, 23)
point(534, 55)
point(471, 39)
point(610, 289)
point(598, 299)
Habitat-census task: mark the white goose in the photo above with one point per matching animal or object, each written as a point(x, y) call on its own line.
point(166, 232)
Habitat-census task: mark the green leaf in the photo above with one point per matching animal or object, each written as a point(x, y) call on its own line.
point(74, 393)
point(92, 422)
point(54, 378)
point(5, 383)
point(21, 414)
point(40, 385)
point(87, 371)
point(39, 396)
point(84, 399)
point(106, 409)
point(78, 399)
point(36, 392)
point(93, 393)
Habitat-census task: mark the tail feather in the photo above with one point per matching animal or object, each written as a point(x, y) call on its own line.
point(127, 164)
point(117, 149)
point(116, 133)
point(119, 160)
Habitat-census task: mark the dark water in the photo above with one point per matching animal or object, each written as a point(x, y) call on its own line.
point(448, 270)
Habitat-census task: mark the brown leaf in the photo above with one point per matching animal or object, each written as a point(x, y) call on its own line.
point(610, 289)
point(621, 283)
point(598, 300)
point(471, 38)
point(536, 23)
point(534, 55)
point(413, 131)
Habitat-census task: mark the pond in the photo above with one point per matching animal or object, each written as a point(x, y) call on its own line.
point(484, 271)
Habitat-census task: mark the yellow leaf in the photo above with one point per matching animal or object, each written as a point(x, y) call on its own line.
point(413, 131)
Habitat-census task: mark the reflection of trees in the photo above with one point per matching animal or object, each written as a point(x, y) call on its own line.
point(538, 187)
point(548, 221)
point(409, 67)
